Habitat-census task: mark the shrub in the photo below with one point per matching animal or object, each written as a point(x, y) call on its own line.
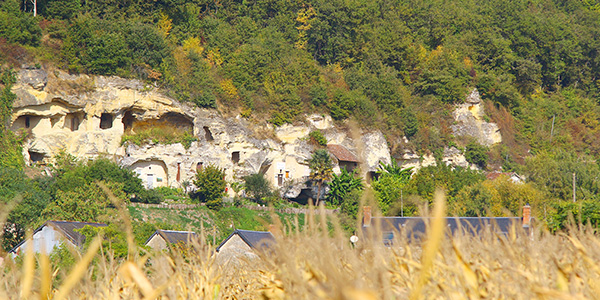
point(318, 95)
point(149, 196)
point(476, 154)
point(584, 212)
point(257, 187)
point(210, 186)
point(206, 100)
point(342, 185)
point(317, 138)
point(411, 124)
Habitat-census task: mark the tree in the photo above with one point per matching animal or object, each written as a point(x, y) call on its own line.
point(342, 185)
point(390, 184)
point(321, 170)
point(476, 154)
point(210, 186)
point(257, 187)
point(85, 203)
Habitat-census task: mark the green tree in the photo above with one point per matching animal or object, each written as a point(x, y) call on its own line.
point(390, 185)
point(342, 185)
point(85, 203)
point(10, 147)
point(210, 186)
point(27, 198)
point(257, 187)
point(476, 154)
point(321, 170)
point(316, 136)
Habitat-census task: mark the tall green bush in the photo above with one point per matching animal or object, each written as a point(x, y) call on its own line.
point(257, 187)
point(210, 186)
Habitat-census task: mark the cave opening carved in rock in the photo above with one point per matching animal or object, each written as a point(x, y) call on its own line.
point(106, 121)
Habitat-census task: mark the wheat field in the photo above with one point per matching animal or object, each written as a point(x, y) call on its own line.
point(320, 263)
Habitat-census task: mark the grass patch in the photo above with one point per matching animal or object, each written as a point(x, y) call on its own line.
point(159, 135)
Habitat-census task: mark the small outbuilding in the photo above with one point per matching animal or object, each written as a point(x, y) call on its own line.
point(161, 239)
point(345, 159)
point(53, 234)
point(244, 244)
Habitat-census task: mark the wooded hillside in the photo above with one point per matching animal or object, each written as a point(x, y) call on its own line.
point(397, 66)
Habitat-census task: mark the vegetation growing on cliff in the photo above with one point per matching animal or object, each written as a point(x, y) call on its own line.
point(397, 66)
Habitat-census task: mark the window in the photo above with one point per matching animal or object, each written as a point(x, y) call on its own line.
point(235, 157)
point(106, 121)
point(27, 122)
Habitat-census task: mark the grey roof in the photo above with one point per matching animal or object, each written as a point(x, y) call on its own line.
point(174, 236)
point(416, 227)
point(67, 229)
point(254, 239)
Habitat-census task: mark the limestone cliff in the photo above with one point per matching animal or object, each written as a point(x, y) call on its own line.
point(87, 117)
point(470, 122)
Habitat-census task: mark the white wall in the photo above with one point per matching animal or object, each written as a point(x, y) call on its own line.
point(153, 173)
point(45, 239)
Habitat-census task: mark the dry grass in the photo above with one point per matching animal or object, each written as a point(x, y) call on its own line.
point(317, 265)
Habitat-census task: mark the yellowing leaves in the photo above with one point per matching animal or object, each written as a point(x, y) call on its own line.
point(228, 87)
point(303, 18)
point(165, 24)
point(193, 44)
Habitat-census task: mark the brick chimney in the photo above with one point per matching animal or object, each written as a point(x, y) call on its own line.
point(366, 221)
point(526, 215)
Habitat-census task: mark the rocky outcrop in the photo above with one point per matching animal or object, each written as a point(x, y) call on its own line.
point(87, 116)
point(451, 157)
point(470, 122)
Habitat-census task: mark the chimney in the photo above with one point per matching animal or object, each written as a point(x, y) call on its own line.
point(526, 216)
point(366, 221)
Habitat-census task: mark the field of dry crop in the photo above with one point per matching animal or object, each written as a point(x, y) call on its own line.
point(315, 264)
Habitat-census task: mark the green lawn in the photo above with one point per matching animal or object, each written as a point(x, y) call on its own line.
point(216, 225)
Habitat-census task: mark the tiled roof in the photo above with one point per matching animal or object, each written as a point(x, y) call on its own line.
point(174, 236)
point(341, 153)
point(254, 239)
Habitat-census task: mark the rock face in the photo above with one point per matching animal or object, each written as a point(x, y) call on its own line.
point(88, 116)
point(451, 157)
point(469, 118)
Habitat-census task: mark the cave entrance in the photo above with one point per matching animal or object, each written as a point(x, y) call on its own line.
point(178, 120)
point(73, 120)
point(128, 120)
point(207, 134)
point(106, 121)
point(36, 157)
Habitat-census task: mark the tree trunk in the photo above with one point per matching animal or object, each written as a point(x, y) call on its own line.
point(318, 194)
point(34, 2)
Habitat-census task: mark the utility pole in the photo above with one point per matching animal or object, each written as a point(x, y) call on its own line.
point(574, 188)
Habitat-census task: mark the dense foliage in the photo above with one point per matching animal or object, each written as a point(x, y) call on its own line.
point(257, 188)
point(342, 186)
point(397, 66)
point(210, 186)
